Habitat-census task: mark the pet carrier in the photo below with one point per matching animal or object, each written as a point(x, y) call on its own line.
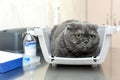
point(105, 33)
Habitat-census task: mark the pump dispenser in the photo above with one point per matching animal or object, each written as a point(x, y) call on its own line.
point(29, 44)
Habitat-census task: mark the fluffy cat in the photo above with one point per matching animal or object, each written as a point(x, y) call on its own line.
point(73, 38)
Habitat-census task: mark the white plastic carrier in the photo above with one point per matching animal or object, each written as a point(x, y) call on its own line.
point(105, 33)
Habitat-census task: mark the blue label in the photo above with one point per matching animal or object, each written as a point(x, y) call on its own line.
point(33, 43)
point(27, 59)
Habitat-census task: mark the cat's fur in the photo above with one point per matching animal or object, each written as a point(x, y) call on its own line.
point(73, 38)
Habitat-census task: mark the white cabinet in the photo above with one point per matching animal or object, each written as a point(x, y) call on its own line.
point(103, 11)
point(116, 11)
point(98, 11)
point(116, 19)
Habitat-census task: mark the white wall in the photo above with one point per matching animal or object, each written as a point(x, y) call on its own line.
point(72, 9)
point(37, 13)
point(23, 13)
point(68, 9)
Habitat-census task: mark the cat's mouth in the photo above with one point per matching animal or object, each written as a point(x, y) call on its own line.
point(84, 48)
point(87, 49)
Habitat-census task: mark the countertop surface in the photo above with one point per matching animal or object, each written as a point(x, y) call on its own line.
point(109, 70)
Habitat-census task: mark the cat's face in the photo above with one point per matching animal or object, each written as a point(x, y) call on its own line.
point(82, 37)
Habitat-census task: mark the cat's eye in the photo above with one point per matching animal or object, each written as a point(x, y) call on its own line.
point(78, 36)
point(92, 36)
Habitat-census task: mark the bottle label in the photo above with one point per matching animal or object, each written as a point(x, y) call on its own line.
point(30, 48)
point(30, 44)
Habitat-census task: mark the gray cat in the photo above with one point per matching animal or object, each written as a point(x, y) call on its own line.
point(73, 38)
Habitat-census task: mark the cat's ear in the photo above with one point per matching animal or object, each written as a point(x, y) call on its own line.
point(54, 28)
point(96, 27)
point(68, 27)
point(56, 25)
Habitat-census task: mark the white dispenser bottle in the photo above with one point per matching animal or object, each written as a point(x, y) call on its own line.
point(29, 44)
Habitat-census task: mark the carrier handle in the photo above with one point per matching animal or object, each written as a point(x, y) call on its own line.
point(117, 28)
point(111, 29)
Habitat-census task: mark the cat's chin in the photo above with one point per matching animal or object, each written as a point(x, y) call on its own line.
point(84, 49)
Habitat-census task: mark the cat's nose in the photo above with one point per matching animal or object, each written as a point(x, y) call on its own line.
point(85, 41)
